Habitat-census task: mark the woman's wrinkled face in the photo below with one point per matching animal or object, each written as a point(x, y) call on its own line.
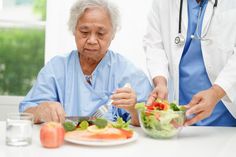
point(93, 33)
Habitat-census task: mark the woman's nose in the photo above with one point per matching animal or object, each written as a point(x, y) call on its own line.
point(92, 39)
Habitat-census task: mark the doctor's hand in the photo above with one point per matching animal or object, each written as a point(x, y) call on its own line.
point(160, 91)
point(126, 99)
point(48, 111)
point(203, 103)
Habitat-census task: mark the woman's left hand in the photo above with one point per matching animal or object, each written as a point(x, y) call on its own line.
point(125, 98)
point(203, 103)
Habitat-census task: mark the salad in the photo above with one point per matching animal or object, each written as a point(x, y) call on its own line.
point(161, 119)
point(98, 129)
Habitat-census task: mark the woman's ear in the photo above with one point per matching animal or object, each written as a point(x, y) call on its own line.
point(113, 36)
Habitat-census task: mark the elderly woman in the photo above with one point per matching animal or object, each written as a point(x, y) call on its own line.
point(79, 83)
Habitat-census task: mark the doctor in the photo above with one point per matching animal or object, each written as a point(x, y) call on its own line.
point(80, 82)
point(193, 44)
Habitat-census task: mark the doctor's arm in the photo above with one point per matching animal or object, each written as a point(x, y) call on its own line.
point(224, 88)
point(157, 62)
point(160, 90)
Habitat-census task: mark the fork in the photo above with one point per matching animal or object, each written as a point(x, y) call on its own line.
point(102, 110)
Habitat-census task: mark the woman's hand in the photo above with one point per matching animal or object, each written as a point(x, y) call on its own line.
point(125, 98)
point(203, 103)
point(160, 91)
point(48, 111)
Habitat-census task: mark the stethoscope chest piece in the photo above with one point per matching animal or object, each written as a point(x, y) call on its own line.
point(179, 40)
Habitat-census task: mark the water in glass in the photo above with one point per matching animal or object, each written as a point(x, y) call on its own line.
point(18, 131)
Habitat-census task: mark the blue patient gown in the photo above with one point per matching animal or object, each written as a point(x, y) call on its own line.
point(62, 80)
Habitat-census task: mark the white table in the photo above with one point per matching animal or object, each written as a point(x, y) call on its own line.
point(192, 142)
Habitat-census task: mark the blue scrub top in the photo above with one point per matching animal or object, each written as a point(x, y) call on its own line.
point(193, 77)
point(62, 80)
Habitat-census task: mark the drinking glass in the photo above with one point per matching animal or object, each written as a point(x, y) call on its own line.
point(19, 127)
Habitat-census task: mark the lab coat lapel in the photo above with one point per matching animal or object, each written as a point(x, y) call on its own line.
point(185, 15)
point(207, 16)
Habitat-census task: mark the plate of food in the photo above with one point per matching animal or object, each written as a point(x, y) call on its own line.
point(99, 132)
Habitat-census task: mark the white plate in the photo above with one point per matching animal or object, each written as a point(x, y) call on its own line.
point(103, 143)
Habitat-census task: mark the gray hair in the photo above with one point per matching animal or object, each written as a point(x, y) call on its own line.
point(79, 7)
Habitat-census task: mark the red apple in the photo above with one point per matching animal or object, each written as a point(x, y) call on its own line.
point(52, 134)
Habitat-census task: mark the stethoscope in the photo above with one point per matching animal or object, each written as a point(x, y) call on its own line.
point(179, 39)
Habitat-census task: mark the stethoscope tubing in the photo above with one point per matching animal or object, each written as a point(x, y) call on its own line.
point(179, 39)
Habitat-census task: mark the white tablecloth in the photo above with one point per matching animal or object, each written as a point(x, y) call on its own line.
point(192, 142)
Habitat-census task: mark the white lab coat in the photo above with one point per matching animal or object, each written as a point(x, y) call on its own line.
point(219, 53)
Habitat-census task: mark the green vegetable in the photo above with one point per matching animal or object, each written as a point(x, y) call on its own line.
point(121, 124)
point(69, 126)
point(150, 122)
point(84, 125)
point(100, 123)
point(174, 107)
point(140, 106)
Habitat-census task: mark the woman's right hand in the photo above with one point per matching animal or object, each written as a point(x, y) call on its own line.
point(160, 91)
point(48, 111)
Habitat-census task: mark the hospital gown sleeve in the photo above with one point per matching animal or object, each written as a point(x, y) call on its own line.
point(44, 89)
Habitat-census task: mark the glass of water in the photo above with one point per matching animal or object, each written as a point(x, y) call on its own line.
point(19, 127)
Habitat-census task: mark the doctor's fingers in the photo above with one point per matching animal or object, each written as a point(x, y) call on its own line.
point(161, 91)
point(198, 117)
point(153, 96)
point(150, 100)
point(195, 100)
point(200, 107)
point(158, 92)
point(162, 96)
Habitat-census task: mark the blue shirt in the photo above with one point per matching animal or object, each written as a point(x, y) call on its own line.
point(193, 77)
point(62, 80)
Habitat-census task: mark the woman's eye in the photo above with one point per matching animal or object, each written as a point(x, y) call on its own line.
point(84, 33)
point(100, 34)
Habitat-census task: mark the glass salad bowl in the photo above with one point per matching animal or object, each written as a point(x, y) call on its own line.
point(161, 119)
